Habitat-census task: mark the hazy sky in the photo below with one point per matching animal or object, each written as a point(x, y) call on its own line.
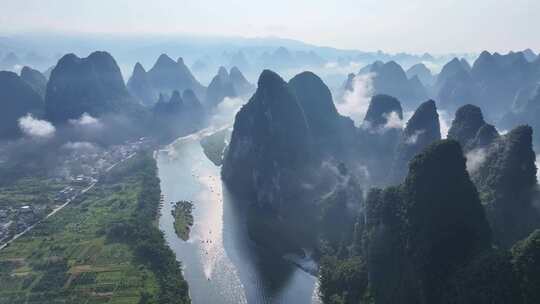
point(390, 25)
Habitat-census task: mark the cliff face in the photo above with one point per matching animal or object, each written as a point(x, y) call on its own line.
point(331, 133)
point(269, 145)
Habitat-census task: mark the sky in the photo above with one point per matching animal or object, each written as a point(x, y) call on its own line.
point(437, 26)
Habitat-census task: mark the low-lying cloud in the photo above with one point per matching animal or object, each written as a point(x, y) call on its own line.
point(445, 122)
point(475, 159)
point(34, 127)
point(225, 112)
point(413, 139)
point(355, 103)
point(393, 121)
point(86, 120)
point(79, 145)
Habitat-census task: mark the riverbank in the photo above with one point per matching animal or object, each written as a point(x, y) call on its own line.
point(221, 263)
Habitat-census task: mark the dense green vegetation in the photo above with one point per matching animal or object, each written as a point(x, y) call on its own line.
point(428, 241)
point(103, 248)
point(183, 219)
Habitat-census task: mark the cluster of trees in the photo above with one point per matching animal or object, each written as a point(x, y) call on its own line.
point(428, 240)
point(147, 240)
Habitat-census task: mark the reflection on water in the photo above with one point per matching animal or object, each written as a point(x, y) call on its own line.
point(220, 263)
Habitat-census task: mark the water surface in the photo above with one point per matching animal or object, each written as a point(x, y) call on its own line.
point(220, 262)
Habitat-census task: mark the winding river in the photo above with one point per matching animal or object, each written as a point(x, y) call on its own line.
point(221, 264)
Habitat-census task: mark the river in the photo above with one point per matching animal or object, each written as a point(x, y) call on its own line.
point(220, 262)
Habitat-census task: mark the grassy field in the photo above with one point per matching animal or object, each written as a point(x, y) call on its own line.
point(96, 249)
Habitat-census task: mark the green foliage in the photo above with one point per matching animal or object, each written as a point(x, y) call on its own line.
point(446, 225)
point(526, 259)
point(148, 242)
point(54, 277)
point(488, 279)
point(342, 280)
point(416, 237)
point(183, 219)
point(507, 182)
point(104, 247)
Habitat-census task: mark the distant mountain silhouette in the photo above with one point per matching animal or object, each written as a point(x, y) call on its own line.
point(139, 86)
point(178, 115)
point(241, 85)
point(35, 79)
point(423, 74)
point(497, 83)
point(390, 79)
point(168, 75)
point(220, 87)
